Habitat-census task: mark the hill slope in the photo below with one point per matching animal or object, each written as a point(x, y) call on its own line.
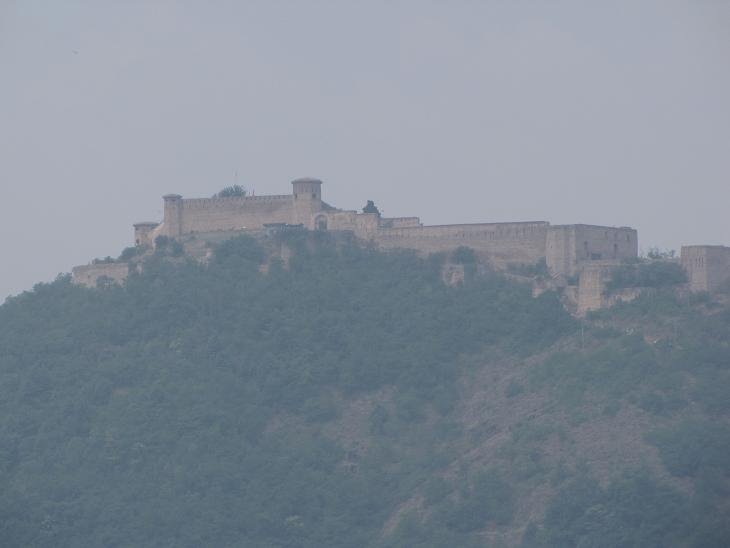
point(352, 399)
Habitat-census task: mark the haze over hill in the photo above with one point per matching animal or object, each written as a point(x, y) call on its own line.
point(457, 112)
point(339, 396)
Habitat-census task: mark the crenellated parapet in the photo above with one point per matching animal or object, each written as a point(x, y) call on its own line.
point(232, 202)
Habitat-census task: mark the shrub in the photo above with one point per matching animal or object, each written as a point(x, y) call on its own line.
point(693, 446)
point(370, 207)
point(513, 389)
point(633, 510)
point(231, 192)
point(532, 270)
point(105, 260)
point(464, 255)
point(131, 252)
point(161, 242)
point(490, 498)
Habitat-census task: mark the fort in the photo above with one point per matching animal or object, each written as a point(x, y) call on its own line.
point(578, 257)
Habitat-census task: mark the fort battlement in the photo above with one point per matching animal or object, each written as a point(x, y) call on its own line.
point(232, 202)
point(578, 252)
point(565, 248)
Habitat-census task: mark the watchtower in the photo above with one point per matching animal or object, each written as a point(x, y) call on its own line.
point(307, 197)
point(143, 231)
point(173, 215)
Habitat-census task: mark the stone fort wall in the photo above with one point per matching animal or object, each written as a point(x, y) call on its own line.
point(239, 213)
point(592, 294)
point(564, 248)
point(499, 243)
point(186, 216)
point(89, 275)
point(707, 266)
point(569, 246)
point(586, 253)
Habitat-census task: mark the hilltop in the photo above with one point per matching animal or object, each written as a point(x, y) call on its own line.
point(343, 396)
point(589, 265)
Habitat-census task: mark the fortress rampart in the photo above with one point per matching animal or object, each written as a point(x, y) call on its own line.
point(564, 248)
point(253, 212)
point(235, 213)
point(498, 243)
point(578, 257)
point(569, 246)
point(400, 222)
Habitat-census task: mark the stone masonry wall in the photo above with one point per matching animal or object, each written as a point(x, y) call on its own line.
point(707, 266)
point(364, 225)
point(400, 222)
point(560, 250)
point(592, 291)
point(591, 286)
point(499, 243)
point(88, 275)
point(568, 246)
point(250, 212)
point(605, 243)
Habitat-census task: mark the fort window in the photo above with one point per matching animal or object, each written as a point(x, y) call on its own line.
point(314, 195)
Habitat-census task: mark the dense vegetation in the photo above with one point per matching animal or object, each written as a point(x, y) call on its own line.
point(329, 402)
point(653, 273)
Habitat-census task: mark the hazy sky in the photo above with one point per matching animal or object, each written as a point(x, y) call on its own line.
point(458, 111)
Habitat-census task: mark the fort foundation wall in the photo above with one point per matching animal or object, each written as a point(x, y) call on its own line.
point(89, 275)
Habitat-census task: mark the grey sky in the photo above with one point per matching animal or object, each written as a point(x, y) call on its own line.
point(458, 111)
